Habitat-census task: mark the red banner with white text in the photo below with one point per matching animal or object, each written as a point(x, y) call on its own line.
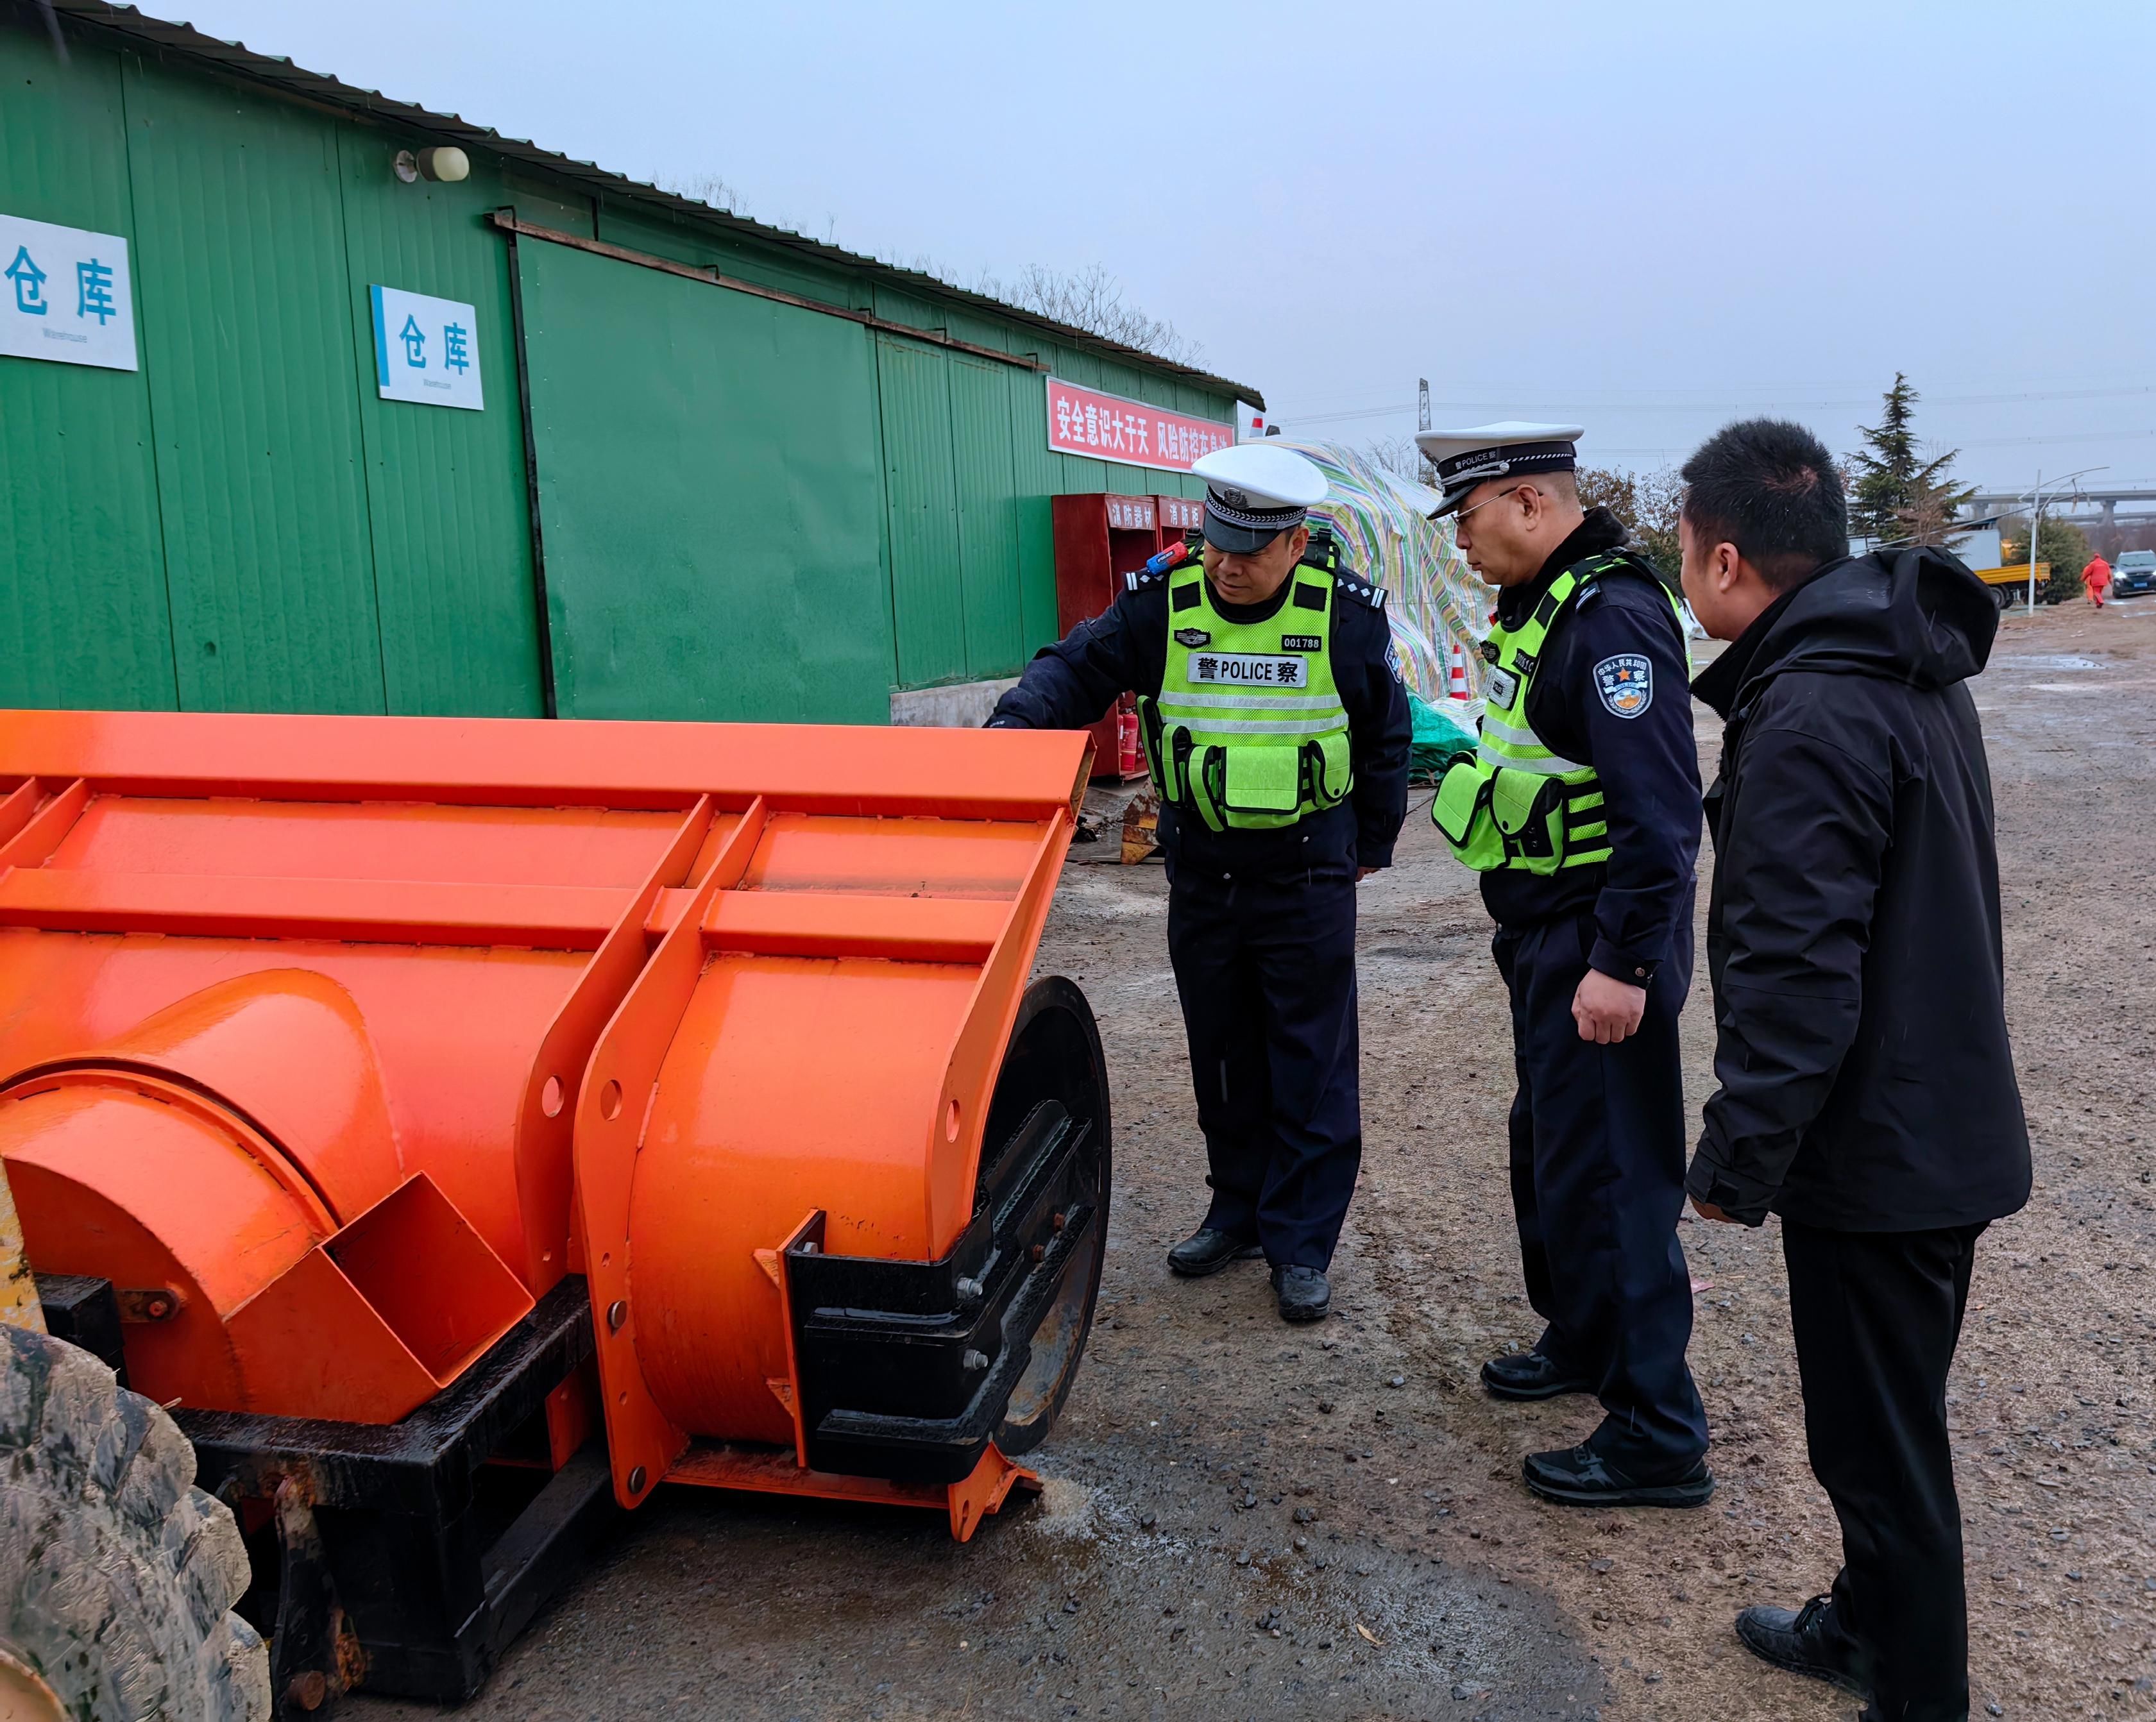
point(1102, 427)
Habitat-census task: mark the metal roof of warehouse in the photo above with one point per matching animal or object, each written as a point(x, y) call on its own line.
point(184, 41)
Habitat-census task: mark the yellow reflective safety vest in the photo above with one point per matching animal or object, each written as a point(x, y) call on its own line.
point(1248, 733)
point(1515, 803)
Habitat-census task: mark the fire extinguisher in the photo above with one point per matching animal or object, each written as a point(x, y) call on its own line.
point(1129, 757)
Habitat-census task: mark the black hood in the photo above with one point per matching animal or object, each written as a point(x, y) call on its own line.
point(1916, 616)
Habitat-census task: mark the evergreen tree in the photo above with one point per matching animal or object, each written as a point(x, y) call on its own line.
point(1898, 496)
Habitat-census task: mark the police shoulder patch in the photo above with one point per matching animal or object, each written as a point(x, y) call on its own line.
point(1373, 596)
point(1138, 579)
point(1627, 684)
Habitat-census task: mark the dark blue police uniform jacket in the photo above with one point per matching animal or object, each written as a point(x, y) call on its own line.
point(1260, 924)
point(1598, 1133)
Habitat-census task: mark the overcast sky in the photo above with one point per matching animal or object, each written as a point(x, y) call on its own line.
point(1648, 217)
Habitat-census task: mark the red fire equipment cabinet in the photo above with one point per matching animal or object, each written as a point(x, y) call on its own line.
point(1098, 540)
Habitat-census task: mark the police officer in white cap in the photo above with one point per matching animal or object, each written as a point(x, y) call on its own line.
point(1277, 731)
point(1581, 810)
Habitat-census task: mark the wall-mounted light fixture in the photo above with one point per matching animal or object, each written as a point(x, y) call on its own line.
point(445, 162)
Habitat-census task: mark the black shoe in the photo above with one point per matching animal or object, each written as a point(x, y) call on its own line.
point(1807, 1641)
point(1304, 1295)
point(1529, 1374)
point(1207, 1251)
point(1580, 1477)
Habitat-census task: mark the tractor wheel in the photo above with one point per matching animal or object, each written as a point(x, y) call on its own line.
point(117, 1575)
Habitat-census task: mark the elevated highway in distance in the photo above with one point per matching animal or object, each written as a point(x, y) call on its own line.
point(2084, 505)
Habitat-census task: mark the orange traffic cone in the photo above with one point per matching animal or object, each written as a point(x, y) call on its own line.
point(1457, 687)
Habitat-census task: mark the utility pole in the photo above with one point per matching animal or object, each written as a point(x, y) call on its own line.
point(1422, 405)
point(2035, 528)
point(2036, 520)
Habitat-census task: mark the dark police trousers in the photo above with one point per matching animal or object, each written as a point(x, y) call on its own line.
point(1598, 1160)
point(1876, 1316)
point(1265, 967)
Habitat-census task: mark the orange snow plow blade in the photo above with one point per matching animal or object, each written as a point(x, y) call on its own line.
point(335, 1043)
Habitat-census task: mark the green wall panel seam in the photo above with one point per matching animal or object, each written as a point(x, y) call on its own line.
point(269, 551)
point(145, 358)
point(542, 612)
point(362, 375)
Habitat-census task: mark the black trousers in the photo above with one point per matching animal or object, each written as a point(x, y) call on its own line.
point(1876, 1316)
point(1598, 1163)
point(1265, 967)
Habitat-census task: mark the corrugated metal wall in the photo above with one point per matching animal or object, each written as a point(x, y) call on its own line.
point(85, 620)
point(921, 492)
point(988, 512)
point(243, 524)
point(446, 490)
point(240, 273)
point(709, 498)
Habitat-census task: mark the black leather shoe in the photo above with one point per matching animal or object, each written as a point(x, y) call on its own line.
point(1304, 1295)
point(1207, 1251)
point(1580, 1477)
point(1807, 1641)
point(1529, 1374)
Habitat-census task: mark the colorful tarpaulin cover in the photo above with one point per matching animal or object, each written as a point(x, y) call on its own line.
point(1433, 597)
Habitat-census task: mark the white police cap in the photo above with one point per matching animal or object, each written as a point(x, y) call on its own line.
point(1254, 493)
point(1465, 459)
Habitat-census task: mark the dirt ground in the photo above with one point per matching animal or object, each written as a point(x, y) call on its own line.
point(1245, 1520)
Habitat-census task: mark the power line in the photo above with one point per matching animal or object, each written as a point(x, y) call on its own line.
point(2066, 437)
point(1765, 401)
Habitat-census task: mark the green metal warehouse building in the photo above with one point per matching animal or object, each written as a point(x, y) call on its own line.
point(704, 468)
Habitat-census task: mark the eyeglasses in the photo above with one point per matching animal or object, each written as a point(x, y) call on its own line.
point(1509, 490)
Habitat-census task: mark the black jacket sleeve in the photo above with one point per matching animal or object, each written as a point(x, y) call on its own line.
point(1649, 767)
point(1380, 729)
point(1799, 847)
point(1074, 682)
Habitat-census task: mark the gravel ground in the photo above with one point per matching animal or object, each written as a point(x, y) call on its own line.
point(1244, 1519)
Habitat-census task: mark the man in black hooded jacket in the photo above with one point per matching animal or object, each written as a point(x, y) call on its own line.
point(1866, 1087)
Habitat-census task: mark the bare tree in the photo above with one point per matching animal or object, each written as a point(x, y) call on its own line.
point(704, 188)
point(723, 194)
point(1402, 459)
point(1606, 487)
point(1092, 300)
point(1930, 516)
point(1645, 503)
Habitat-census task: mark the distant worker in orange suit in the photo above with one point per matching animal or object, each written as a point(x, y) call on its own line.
point(2096, 578)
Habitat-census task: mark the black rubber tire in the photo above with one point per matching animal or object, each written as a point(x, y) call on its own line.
point(117, 1575)
point(1055, 1054)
